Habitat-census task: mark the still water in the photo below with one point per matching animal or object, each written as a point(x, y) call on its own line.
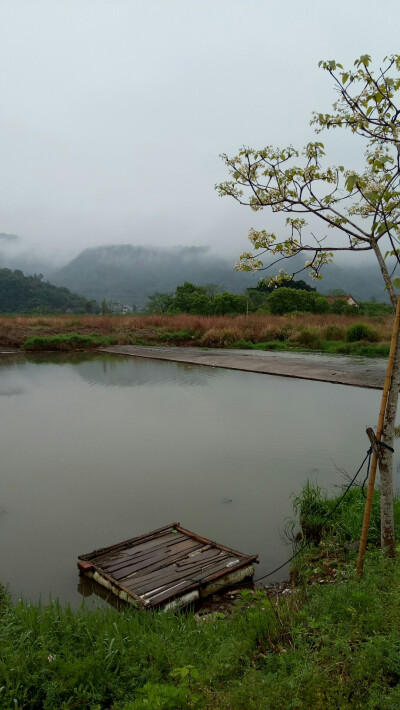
point(97, 449)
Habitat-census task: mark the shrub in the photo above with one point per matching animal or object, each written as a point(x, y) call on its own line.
point(285, 332)
point(271, 332)
point(67, 341)
point(313, 506)
point(361, 331)
point(220, 337)
point(179, 335)
point(309, 336)
point(334, 332)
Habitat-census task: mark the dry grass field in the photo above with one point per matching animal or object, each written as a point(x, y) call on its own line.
point(183, 329)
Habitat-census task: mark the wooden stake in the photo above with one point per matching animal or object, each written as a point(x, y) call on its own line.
point(379, 430)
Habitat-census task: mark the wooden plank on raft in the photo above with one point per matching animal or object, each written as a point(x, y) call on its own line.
point(162, 573)
point(159, 554)
point(151, 566)
point(164, 566)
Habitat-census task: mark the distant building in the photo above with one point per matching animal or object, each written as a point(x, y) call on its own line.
point(350, 301)
point(119, 308)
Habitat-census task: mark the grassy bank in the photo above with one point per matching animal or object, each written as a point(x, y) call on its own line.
point(331, 642)
point(304, 332)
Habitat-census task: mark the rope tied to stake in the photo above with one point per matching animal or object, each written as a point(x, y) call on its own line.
point(308, 542)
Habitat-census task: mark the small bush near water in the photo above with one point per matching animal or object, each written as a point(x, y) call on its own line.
point(220, 337)
point(68, 341)
point(334, 332)
point(313, 505)
point(361, 331)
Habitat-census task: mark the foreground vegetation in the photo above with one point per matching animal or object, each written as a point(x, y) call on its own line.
point(330, 642)
point(344, 334)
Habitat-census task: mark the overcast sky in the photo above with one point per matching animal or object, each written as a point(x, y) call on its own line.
point(113, 113)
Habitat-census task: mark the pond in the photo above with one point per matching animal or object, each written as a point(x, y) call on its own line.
point(98, 448)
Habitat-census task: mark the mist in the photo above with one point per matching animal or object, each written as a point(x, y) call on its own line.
point(114, 113)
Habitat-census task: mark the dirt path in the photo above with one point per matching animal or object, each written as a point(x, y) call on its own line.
point(358, 372)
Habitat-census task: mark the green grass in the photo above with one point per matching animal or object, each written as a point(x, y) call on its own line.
point(323, 647)
point(361, 348)
point(313, 504)
point(305, 340)
point(335, 646)
point(336, 347)
point(177, 336)
point(67, 341)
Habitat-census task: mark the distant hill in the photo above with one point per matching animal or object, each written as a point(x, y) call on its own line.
point(29, 294)
point(131, 273)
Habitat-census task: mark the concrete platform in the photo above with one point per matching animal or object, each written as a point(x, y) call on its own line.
point(353, 371)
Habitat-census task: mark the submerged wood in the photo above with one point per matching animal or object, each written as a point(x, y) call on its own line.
point(167, 567)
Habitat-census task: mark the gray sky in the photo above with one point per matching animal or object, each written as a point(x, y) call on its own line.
point(114, 112)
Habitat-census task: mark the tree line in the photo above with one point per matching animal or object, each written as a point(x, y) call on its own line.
point(290, 297)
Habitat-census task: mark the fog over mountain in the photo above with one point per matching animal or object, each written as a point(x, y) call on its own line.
point(127, 273)
point(15, 253)
point(131, 274)
point(114, 114)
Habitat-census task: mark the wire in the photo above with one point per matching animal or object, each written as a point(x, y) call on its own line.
point(328, 517)
point(366, 479)
point(308, 542)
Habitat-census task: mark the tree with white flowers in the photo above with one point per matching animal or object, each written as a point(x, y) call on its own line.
point(331, 209)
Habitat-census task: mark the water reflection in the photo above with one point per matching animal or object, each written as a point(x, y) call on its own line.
point(124, 371)
point(8, 359)
point(89, 588)
point(96, 450)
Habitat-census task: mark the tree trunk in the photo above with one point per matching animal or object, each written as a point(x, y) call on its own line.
point(386, 459)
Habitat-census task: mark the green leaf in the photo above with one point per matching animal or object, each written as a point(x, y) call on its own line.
point(396, 282)
point(351, 181)
point(344, 78)
point(365, 59)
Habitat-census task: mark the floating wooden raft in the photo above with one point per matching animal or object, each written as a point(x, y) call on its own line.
point(168, 567)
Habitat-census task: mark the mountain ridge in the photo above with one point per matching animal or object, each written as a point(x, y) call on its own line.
point(131, 273)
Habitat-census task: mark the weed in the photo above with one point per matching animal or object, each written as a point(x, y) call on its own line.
point(312, 506)
point(68, 341)
point(334, 332)
point(309, 337)
point(361, 331)
point(162, 696)
point(220, 337)
point(177, 336)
